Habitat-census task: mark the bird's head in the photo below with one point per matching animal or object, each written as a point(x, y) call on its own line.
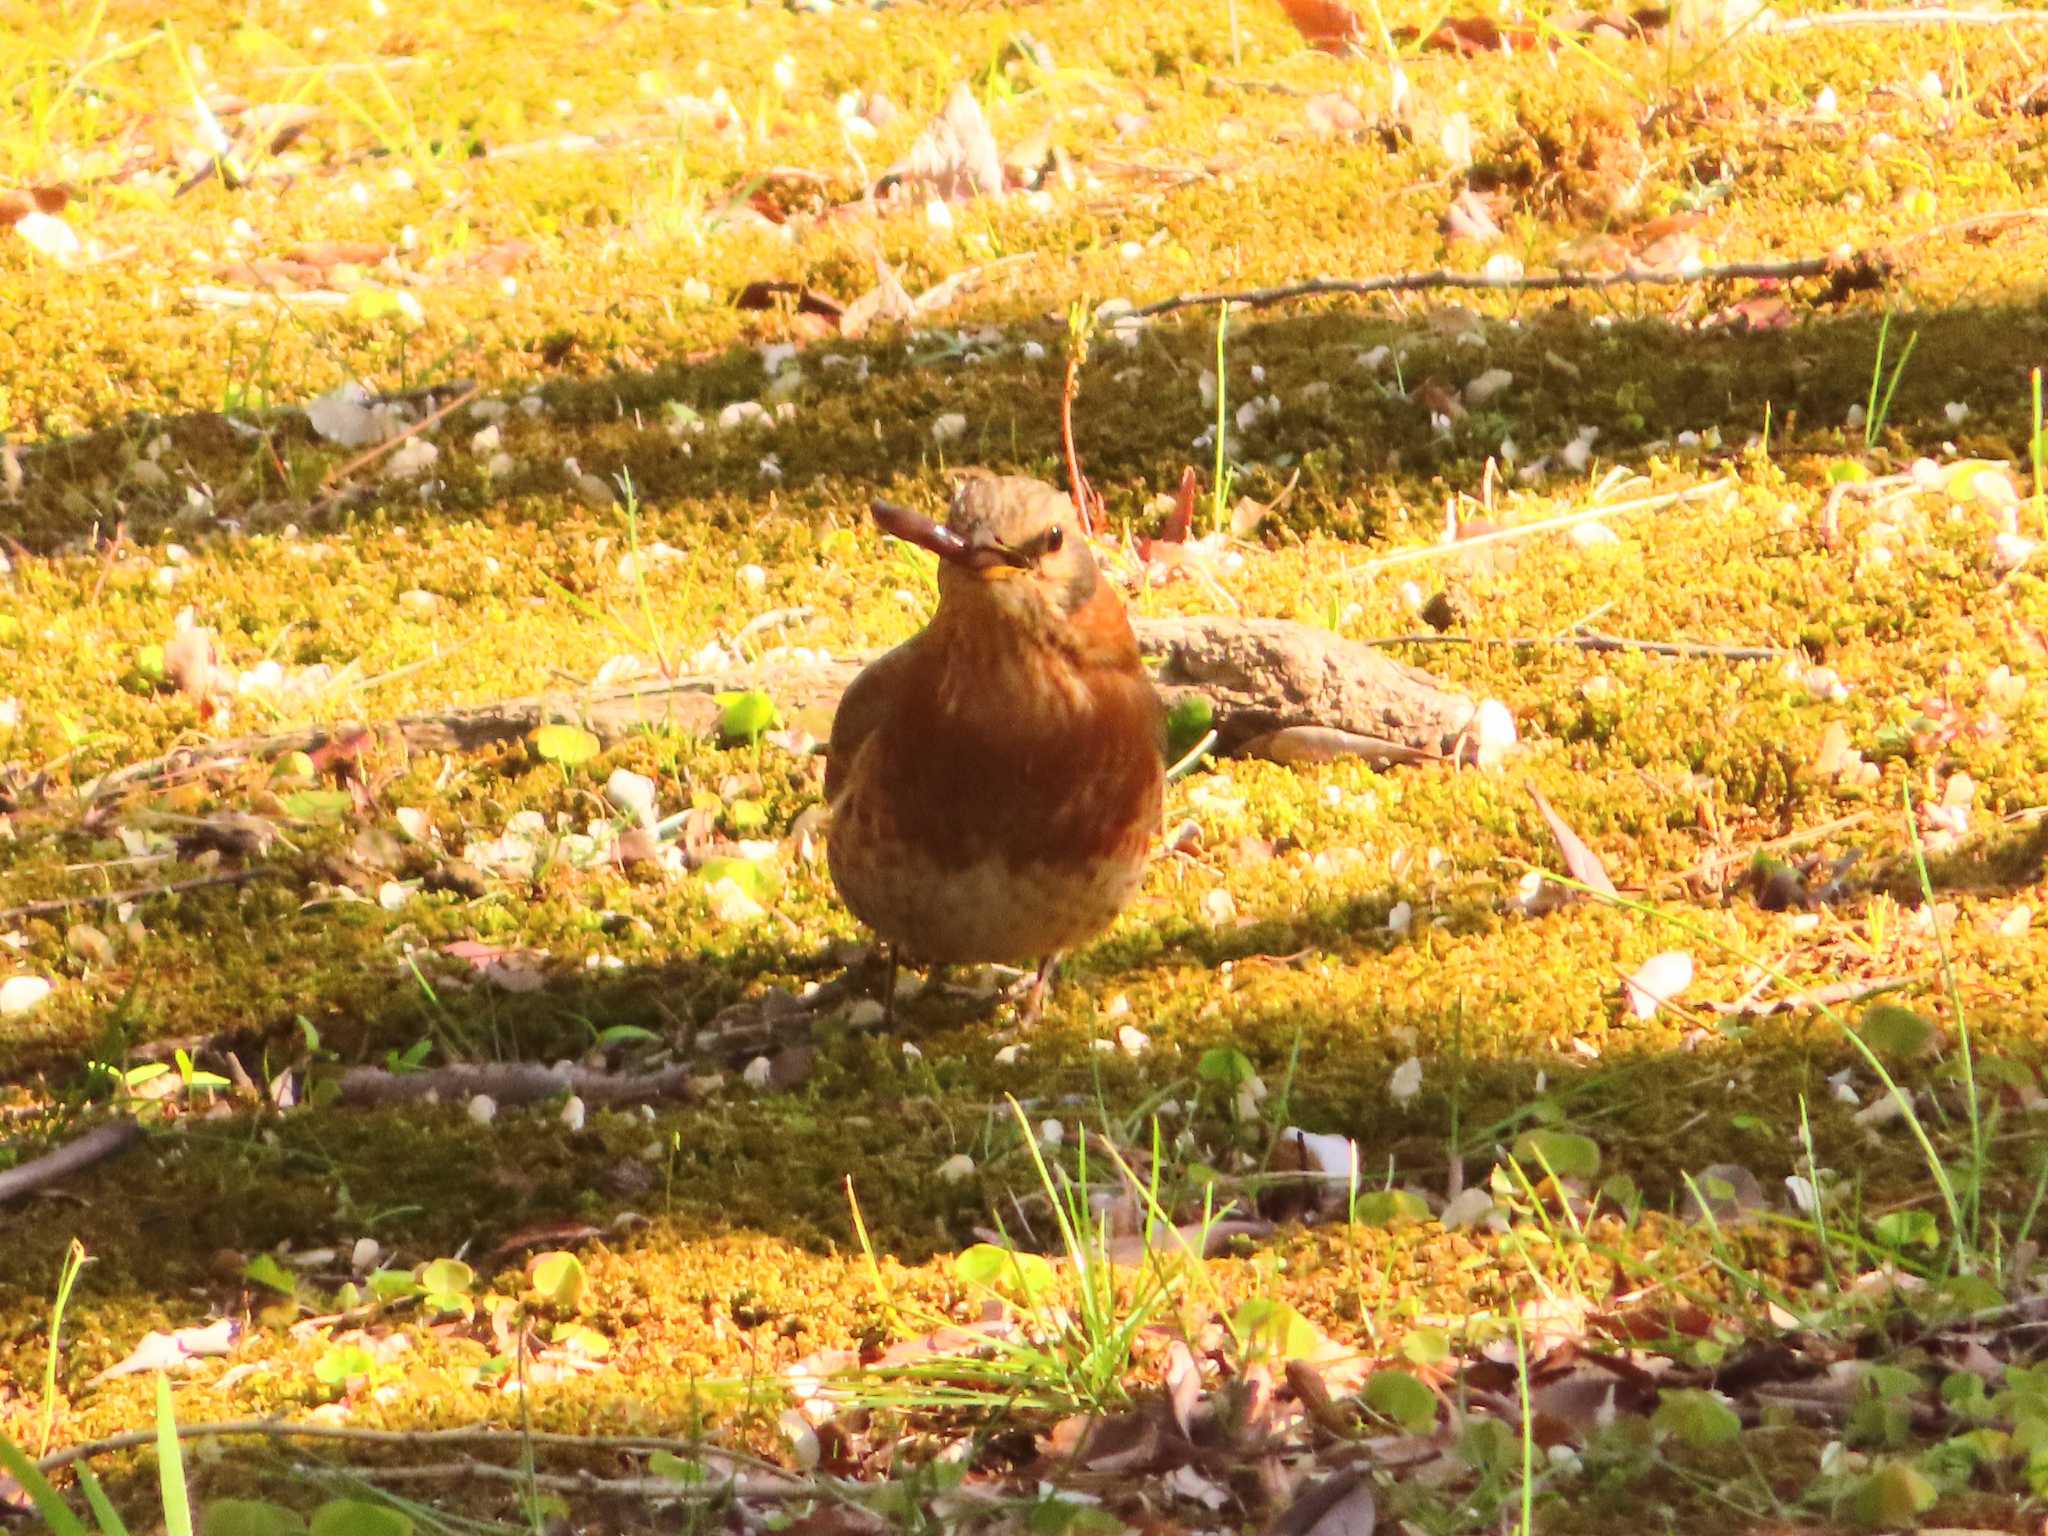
point(1009, 544)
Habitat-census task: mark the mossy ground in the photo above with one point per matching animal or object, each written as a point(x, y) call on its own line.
point(590, 136)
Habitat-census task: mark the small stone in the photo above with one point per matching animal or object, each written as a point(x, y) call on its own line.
point(19, 994)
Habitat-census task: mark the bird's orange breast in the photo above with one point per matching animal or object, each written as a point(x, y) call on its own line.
point(1003, 803)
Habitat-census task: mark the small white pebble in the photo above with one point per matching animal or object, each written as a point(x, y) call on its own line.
point(18, 994)
point(957, 1168)
point(573, 1113)
point(483, 1109)
point(757, 1072)
point(1406, 1082)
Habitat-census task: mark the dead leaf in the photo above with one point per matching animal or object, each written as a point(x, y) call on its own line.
point(168, 1351)
point(1333, 116)
point(1326, 24)
point(189, 664)
point(763, 293)
point(1472, 35)
point(1338, 1505)
point(955, 158)
point(338, 253)
point(888, 303)
point(1580, 862)
point(1469, 218)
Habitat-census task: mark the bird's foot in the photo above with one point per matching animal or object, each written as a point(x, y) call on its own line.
point(1033, 1001)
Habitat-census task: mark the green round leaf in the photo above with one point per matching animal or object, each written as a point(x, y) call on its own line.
point(1224, 1067)
point(1906, 1229)
point(1697, 1419)
point(558, 1276)
point(343, 1364)
point(1023, 1277)
point(1389, 1208)
point(1893, 1497)
point(1562, 1153)
point(1187, 723)
point(318, 804)
point(1272, 1329)
point(1402, 1398)
point(249, 1517)
point(744, 716)
point(1896, 1032)
point(1426, 1346)
point(744, 873)
point(569, 745)
point(265, 1270)
point(447, 1276)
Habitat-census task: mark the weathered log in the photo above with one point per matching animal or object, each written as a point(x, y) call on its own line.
point(1276, 688)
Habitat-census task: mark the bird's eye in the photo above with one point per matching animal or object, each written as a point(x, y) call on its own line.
point(1055, 537)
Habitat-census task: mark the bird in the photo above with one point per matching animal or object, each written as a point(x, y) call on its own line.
point(993, 784)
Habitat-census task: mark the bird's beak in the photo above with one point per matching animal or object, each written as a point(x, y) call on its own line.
point(985, 557)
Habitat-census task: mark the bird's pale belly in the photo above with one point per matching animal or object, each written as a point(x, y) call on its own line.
point(992, 909)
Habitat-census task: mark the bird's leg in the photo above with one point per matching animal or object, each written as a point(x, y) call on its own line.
point(1041, 983)
point(889, 987)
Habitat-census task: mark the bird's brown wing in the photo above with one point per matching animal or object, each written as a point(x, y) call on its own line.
point(862, 708)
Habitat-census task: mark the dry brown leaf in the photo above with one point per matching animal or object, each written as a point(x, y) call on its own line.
point(1580, 862)
point(1469, 218)
point(189, 664)
point(1326, 24)
point(955, 158)
point(1339, 1505)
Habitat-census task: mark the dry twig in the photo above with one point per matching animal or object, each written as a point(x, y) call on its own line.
point(1525, 282)
point(95, 1146)
point(1546, 525)
point(417, 1439)
point(57, 904)
point(1593, 640)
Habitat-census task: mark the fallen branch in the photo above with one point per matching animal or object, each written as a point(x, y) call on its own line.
point(95, 1146)
point(661, 1490)
point(331, 482)
point(1814, 997)
point(1905, 16)
point(56, 904)
point(1593, 640)
point(514, 1082)
point(417, 1439)
point(1257, 675)
point(1523, 282)
point(1546, 525)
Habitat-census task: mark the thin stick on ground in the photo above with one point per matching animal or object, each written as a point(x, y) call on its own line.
point(1546, 525)
point(515, 1082)
point(334, 478)
point(95, 1146)
point(58, 904)
point(1906, 16)
point(665, 1490)
point(416, 1439)
point(1860, 266)
point(1594, 640)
